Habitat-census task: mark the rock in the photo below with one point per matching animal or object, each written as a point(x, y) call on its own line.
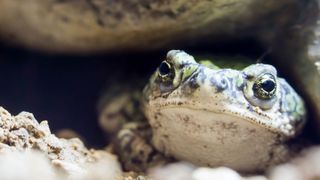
point(173, 171)
point(68, 134)
point(17, 165)
point(218, 173)
point(311, 73)
point(29, 150)
point(84, 26)
point(296, 55)
point(186, 171)
point(306, 166)
point(286, 171)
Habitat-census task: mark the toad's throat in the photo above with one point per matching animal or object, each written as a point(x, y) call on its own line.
point(220, 138)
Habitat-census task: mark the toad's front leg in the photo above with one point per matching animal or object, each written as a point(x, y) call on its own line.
point(134, 148)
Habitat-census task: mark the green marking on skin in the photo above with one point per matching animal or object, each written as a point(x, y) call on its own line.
point(300, 108)
point(239, 81)
point(290, 102)
point(188, 71)
point(209, 64)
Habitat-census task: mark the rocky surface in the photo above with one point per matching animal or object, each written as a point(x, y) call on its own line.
point(311, 71)
point(83, 26)
point(187, 171)
point(296, 54)
point(306, 166)
point(28, 150)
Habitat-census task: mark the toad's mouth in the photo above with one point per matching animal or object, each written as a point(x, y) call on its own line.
point(223, 111)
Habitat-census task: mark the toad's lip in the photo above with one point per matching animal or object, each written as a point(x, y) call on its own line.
point(237, 112)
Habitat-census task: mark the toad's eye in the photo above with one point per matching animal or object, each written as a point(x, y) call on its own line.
point(265, 87)
point(164, 69)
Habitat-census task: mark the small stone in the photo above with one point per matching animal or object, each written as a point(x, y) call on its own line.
point(286, 171)
point(28, 151)
point(217, 173)
point(172, 171)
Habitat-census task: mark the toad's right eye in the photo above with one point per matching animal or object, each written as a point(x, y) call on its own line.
point(265, 87)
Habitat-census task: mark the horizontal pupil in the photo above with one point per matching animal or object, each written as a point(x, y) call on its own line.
point(164, 68)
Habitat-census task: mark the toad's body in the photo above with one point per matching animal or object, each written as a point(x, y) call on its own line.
point(221, 117)
point(217, 116)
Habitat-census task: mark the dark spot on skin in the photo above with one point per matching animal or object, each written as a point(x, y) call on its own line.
point(247, 76)
point(231, 126)
point(285, 88)
point(186, 119)
point(241, 86)
point(271, 155)
point(158, 125)
point(202, 76)
point(223, 84)
point(278, 139)
point(234, 94)
point(181, 66)
point(252, 130)
point(64, 19)
point(220, 83)
point(151, 155)
point(182, 9)
point(165, 88)
point(128, 139)
point(191, 86)
point(136, 161)
point(96, 10)
point(250, 108)
point(118, 15)
point(141, 152)
point(193, 83)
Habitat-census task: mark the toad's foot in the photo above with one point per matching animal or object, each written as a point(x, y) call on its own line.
point(133, 145)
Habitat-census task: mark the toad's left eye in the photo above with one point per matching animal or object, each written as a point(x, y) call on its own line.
point(164, 69)
point(265, 86)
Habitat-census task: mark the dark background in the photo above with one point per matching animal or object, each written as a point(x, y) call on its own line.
point(65, 89)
